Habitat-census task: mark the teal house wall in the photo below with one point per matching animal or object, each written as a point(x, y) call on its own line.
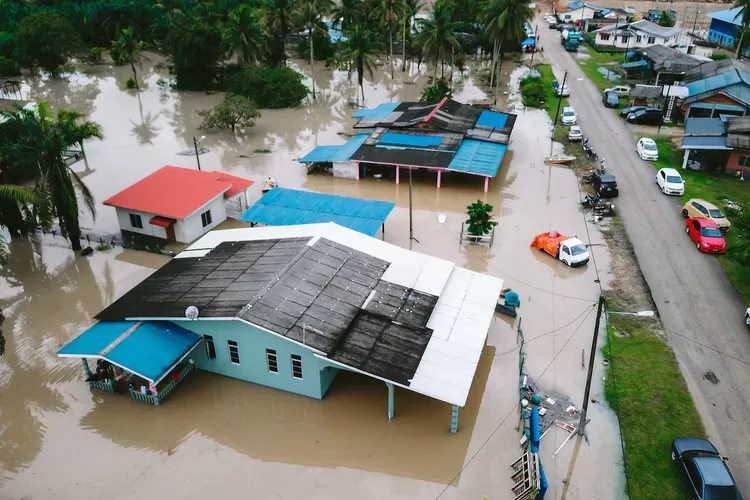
point(317, 375)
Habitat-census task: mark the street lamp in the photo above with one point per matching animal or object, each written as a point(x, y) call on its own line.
point(640, 314)
point(195, 145)
point(696, 19)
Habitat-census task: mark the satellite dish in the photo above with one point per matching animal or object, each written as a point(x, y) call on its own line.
point(191, 312)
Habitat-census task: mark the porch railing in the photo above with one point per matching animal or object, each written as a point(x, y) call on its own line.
point(156, 399)
point(102, 386)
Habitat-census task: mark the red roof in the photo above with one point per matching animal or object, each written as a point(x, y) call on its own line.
point(177, 192)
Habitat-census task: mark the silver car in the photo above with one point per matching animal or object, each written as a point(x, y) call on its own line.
point(569, 116)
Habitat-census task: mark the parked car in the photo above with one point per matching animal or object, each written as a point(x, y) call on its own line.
point(705, 468)
point(563, 91)
point(610, 100)
point(624, 112)
point(670, 181)
point(620, 90)
point(575, 133)
point(747, 317)
point(646, 149)
point(701, 208)
point(569, 116)
point(605, 186)
point(706, 235)
point(566, 26)
point(648, 116)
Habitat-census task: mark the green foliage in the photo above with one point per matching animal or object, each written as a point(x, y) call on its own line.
point(195, 48)
point(437, 37)
point(323, 48)
point(532, 91)
point(95, 55)
point(46, 41)
point(244, 36)
point(9, 67)
point(103, 246)
point(666, 19)
point(274, 87)
point(130, 84)
point(479, 222)
point(436, 90)
point(719, 57)
point(235, 111)
point(359, 52)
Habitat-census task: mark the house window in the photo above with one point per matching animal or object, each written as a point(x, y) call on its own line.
point(206, 218)
point(624, 39)
point(135, 221)
point(234, 352)
point(651, 40)
point(210, 347)
point(273, 363)
point(296, 366)
point(605, 37)
point(638, 39)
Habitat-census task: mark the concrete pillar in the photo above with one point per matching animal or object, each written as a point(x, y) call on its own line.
point(685, 159)
point(391, 411)
point(86, 368)
point(454, 419)
point(398, 174)
point(439, 172)
point(486, 184)
point(357, 166)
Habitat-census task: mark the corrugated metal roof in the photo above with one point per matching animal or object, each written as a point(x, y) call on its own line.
point(335, 153)
point(731, 16)
point(378, 112)
point(704, 142)
point(650, 28)
point(147, 349)
point(704, 126)
point(712, 68)
point(635, 64)
point(668, 59)
point(478, 157)
point(288, 207)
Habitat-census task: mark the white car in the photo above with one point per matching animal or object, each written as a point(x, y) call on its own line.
point(620, 90)
point(670, 181)
point(563, 91)
point(647, 149)
point(747, 317)
point(575, 133)
point(569, 116)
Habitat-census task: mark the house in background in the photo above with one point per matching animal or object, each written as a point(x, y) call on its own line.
point(288, 307)
point(726, 25)
point(659, 64)
point(718, 144)
point(717, 87)
point(578, 12)
point(636, 35)
point(179, 204)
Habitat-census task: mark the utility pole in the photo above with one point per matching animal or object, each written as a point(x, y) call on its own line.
point(411, 226)
point(197, 156)
point(590, 374)
point(560, 98)
point(695, 21)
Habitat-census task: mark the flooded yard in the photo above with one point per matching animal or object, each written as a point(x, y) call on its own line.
point(221, 437)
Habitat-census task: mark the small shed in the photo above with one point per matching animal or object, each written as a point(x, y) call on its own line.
point(646, 95)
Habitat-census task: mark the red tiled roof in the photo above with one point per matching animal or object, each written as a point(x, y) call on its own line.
point(177, 192)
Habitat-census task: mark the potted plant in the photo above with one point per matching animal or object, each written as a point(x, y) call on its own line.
point(479, 221)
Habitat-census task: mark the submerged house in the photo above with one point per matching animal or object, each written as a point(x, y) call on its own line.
point(289, 307)
point(444, 137)
point(179, 204)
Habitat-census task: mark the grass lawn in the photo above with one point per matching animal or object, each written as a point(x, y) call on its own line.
point(538, 93)
point(715, 188)
point(645, 387)
point(590, 66)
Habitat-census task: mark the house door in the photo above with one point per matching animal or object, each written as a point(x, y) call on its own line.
point(170, 233)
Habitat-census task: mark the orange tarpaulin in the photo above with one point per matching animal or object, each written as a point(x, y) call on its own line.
point(549, 242)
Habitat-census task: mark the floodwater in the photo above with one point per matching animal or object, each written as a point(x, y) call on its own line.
point(221, 437)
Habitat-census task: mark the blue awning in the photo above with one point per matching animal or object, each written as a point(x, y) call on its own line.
point(478, 157)
point(630, 54)
point(635, 64)
point(344, 152)
point(720, 107)
point(377, 113)
point(529, 41)
point(704, 143)
point(492, 119)
point(704, 126)
point(148, 349)
point(287, 207)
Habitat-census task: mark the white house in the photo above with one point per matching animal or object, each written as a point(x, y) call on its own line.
point(180, 204)
point(637, 35)
point(579, 12)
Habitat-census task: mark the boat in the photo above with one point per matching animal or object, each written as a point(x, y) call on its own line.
point(268, 185)
point(559, 159)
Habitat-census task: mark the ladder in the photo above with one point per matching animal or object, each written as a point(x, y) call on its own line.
point(670, 106)
point(525, 476)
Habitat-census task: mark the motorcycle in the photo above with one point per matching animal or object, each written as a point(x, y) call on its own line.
point(590, 201)
point(587, 149)
point(602, 167)
point(604, 209)
point(589, 177)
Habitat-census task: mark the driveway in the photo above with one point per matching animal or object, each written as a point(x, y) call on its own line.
point(700, 309)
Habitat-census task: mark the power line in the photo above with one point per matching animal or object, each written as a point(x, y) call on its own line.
point(681, 335)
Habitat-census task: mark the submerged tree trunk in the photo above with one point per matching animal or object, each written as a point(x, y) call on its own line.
point(390, 41)
point(135, 76)
point(361, 78)
point(312, 63)
point(499, 71)
point(403, 46)
point(494, 63)
point(739, 44)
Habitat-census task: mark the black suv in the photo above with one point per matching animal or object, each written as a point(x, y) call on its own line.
point(605, 186)
point(648, 116)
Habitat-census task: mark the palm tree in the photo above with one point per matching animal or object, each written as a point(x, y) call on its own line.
point(311, 17)
point(387, 11)
point(346, 15)
point(360, 50)
point(280, 18)
point(744, 17)
point(10, 198)
point(503, 21)
point(36, 141)
point(666, 19)
point(437, 34)
point(244, 36)
point(413, 6)
point(130, 51)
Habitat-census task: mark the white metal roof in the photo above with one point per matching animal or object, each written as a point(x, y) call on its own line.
point(461, 318)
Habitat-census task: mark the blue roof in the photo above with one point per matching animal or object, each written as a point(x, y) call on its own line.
point(492, 119)
point(285, 207)
point(379, 112)
point(528, 41)
point(634, 64)
point(704, 142)
point(704, 126)
point(478, 157)
point(410, 139)
point(731, 16)
point(148, 349)
point(335, 153)
point(736, 83)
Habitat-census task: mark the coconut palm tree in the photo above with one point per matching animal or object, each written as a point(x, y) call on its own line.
point(359, 51)
point(666, 19)
point(388, 12)
point(437, 34)
point(36, 141)
point(347, 14)
point(413, 6)
point(280, 17)
point(244, 36)
point(744, 17)
point(310, 15)
point(129, 51)
point(10, 198)
point(503, 21)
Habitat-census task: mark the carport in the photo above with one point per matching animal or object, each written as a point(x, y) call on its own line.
point(705, 142)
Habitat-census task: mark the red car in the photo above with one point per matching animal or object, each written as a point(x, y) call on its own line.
point(706, 235)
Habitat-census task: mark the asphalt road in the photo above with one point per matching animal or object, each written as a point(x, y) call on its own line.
point(698, 306)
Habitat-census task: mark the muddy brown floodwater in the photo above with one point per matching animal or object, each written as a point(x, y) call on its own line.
point(223, 438)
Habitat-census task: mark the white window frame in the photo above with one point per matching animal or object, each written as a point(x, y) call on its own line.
point(136, 217)
point(206, 218)
point(272, 361)
point(297, 366)
point(605, 37)
point(230, 344)
point(651, 40)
